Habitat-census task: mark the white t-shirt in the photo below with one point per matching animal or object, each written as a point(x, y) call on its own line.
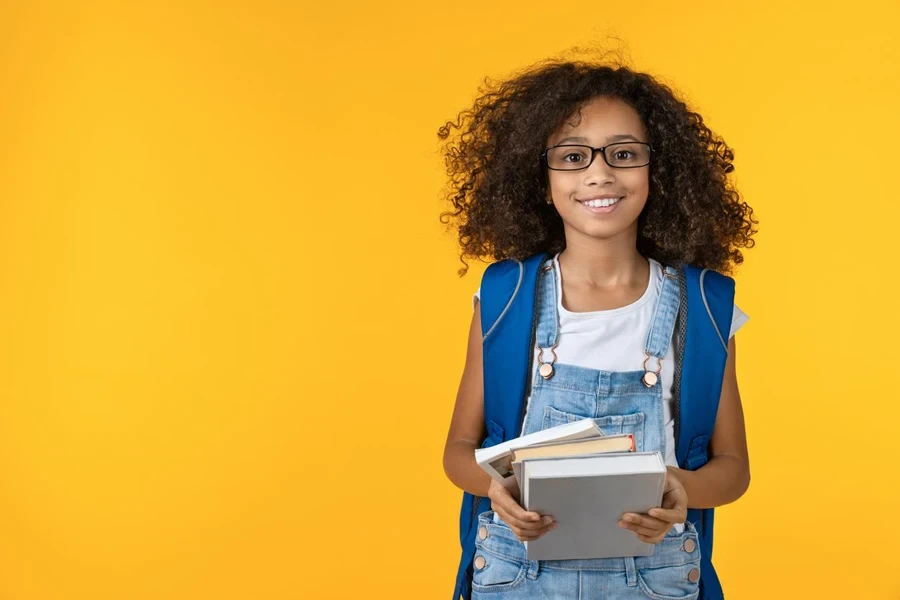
point(613, 340)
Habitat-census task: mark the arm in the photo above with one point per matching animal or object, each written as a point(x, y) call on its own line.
point(467, 425)
point(465, 435)
point(726, 476)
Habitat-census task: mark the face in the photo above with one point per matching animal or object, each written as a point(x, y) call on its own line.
point(577, 195)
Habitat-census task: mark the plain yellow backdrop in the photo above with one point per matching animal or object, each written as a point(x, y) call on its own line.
point(231, 327)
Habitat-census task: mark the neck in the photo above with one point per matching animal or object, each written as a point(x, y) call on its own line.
point(604, 263)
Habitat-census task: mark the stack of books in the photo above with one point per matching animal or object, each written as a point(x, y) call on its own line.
point(586, 481)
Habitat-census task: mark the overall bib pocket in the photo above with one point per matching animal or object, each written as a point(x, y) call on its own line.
point(610, 424)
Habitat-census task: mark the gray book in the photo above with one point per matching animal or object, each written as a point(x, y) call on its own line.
point(587, 495)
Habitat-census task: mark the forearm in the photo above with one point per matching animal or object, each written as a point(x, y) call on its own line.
point(722, 480)
point(463, 471)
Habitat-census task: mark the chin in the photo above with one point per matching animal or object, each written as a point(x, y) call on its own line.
point(603, 228)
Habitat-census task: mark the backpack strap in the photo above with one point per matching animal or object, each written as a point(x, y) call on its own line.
point(500, 285)
point(710, 305)
point(719, 292)
point(508, 290)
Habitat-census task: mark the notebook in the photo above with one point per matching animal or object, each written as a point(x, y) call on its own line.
point(587, 496)
point(497, 460)
point(609, 443)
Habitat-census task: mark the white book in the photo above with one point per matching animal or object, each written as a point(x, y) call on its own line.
point(586, 496)
point(497, 460)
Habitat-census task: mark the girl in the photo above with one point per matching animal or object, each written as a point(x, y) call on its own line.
point(619, 192)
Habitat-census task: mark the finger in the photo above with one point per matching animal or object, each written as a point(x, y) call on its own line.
point(525, 525)
point(647, 531)
point(512, 506)
point(531, 520)
point(651, 539)
point(646, 521)
point(512, 520)
point(530, 536)
point(670, 515)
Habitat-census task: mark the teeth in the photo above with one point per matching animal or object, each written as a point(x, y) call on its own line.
point(603, 202)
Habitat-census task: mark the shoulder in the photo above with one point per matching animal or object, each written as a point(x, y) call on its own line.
point(507, 276)
point(508, 266)
point(502, 283)
point(511, 272)
point(707, 275)
point(715, 288)
point(708, 284)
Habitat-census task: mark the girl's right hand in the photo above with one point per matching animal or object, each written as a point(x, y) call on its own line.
point(528, 526)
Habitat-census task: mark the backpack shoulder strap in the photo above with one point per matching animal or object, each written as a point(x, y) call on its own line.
point(508, 290)
point(710, 305)
point(715, 292)
point(501, 285)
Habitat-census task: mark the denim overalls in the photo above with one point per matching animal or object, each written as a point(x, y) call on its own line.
point(619, 402)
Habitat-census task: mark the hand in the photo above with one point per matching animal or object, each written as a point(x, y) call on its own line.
point(654, 526)
point(528, 526)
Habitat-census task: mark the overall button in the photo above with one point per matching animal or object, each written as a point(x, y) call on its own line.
point(693, 576)
point(482, 533)
point(480, 562)
point(689, 545)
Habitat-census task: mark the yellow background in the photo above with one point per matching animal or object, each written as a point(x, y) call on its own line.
point(228, 360)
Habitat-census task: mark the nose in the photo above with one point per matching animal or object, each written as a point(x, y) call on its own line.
point(599, 173)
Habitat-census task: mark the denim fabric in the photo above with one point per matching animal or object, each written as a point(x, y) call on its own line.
point(619, 402)
point(505, 573)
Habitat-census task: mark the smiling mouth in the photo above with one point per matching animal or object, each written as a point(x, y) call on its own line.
point(601, 202)
point(601, 206)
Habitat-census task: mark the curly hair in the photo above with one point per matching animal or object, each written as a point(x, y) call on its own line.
point(498, 187)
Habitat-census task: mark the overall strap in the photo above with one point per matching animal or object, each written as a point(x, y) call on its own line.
point(663, 325)
point(548, 316)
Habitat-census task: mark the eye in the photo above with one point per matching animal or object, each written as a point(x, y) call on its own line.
point(573, 157)
point(623, 154)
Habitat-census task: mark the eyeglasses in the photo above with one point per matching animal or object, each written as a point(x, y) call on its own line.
point(621, 155)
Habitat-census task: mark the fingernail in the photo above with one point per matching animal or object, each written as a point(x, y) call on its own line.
point(547, 520)
point(554, 526)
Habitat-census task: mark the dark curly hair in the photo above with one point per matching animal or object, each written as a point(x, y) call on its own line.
point(498, 187)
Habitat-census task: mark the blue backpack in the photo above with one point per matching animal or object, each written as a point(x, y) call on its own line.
point(508, 298)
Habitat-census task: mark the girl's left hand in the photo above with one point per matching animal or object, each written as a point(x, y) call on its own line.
point(654, 526)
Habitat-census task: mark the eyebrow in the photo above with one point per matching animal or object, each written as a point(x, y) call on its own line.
point(613, 138)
